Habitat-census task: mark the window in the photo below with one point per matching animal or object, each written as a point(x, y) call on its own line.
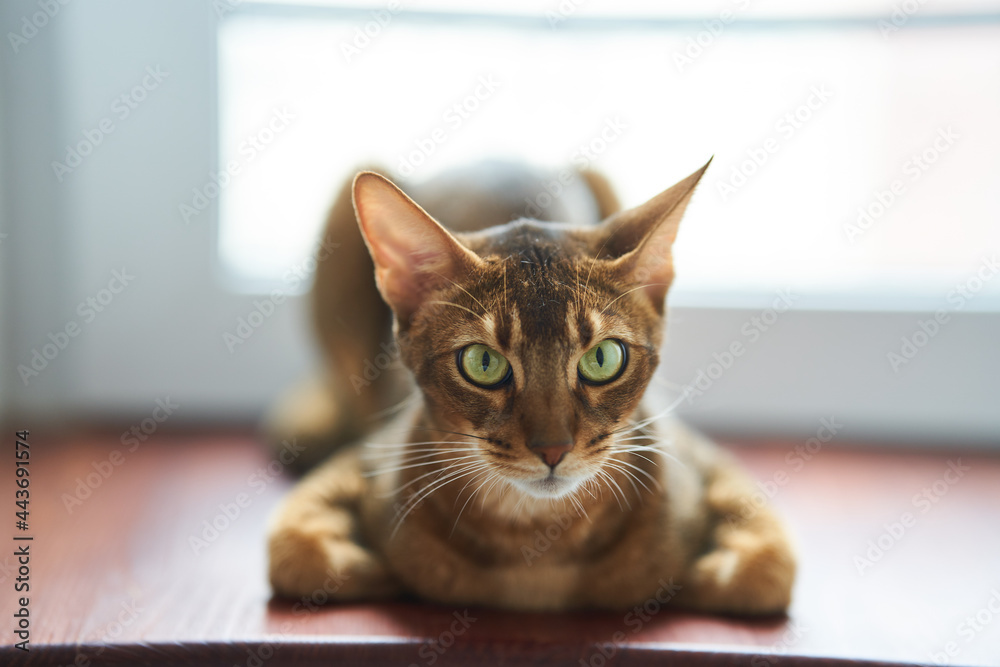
point(856, 172)
point(652, 88)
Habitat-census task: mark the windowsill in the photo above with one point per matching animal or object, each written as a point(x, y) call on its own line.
point(118, 578)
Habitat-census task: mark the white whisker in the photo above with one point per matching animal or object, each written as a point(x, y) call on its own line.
point(631, 450)
point(431, 488)
point(418, 454)
point(384, 471)
point(405, 445)
point(414, 397)
point(440, 472)
point(468, 310)
point(471, 496)
point(627, 292)
point(499, 478)
point(639, 470)
point(612, 485)
point(485, 310)
point(628, 477)
point(579, 505)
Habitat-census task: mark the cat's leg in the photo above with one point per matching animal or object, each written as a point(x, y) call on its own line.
point(746, 564)
point(312, 543)
point(749, 567)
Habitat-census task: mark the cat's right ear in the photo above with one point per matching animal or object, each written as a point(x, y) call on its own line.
point(639, 241)
point(413, 253)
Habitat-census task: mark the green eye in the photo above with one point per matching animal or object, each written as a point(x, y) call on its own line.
point(603, 362)
point(483, 365)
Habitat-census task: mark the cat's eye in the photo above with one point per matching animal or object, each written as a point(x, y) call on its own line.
point(483, 366)
point(604, 362)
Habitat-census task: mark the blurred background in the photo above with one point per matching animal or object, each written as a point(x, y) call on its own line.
point(165, 167)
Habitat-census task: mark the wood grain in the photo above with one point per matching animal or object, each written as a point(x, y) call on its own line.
point(116, 579)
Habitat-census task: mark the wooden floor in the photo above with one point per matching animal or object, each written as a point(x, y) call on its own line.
point(126, 572)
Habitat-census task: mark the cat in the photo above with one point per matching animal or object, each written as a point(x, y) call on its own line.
point(524, 470)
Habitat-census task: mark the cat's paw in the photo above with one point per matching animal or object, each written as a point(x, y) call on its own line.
point(747, 573)
point(318, 566)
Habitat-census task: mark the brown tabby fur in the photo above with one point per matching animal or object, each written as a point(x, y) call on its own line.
point(451, 500)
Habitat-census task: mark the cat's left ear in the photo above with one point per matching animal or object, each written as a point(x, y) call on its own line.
point(413, 253)
point(638, 241)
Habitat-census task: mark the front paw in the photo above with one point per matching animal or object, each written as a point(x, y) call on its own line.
point(316, 566)
point(747, 573)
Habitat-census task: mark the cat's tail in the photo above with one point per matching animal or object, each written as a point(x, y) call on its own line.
point(358, 374)
point(604, 195)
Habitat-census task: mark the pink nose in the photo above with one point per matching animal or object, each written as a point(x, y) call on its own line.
point(553, 453)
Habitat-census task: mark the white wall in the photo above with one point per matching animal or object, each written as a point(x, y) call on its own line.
point(163, 335)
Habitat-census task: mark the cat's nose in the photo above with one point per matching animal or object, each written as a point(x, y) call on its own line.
point(552, 453)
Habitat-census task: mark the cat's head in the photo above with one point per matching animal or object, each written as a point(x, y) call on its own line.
point(534, 341)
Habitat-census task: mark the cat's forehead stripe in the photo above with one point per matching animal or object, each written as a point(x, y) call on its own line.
point(508, 329)
point(596, 321)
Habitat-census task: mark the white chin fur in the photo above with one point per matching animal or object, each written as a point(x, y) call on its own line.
point(547, 487)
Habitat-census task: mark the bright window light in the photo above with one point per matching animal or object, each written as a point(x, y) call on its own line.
point(850, 163)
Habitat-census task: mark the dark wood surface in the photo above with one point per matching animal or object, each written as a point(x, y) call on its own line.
point(118, 581)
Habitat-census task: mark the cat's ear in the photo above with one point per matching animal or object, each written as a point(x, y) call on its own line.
point(413, 253)
point(638, 241)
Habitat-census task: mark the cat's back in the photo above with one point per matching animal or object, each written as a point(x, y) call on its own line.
point(494, 192)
